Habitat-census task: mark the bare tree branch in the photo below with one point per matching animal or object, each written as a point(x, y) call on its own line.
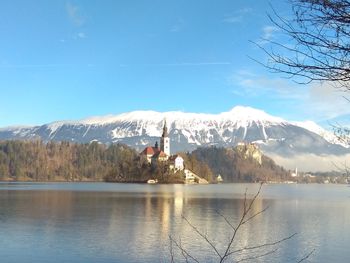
point(262, 245)
point(184, 252)
point(306, 256)
point(318, 47)
point(239, 254)
point(258, 256)
point(209, 242)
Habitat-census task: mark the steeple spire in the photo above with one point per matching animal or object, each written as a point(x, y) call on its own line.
point(165, 130)
point(164, 140)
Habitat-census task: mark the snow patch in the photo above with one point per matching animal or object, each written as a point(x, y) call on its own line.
point(315, 128)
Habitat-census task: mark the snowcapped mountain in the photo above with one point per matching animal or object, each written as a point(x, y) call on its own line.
point(188, 131)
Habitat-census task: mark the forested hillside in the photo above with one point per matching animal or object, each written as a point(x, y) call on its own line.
point(236, 165)
point(65, 161)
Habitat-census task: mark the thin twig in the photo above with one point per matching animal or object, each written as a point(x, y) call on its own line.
point(258, 256)
point(306, 256)
point(205, 237)
point(184, 252)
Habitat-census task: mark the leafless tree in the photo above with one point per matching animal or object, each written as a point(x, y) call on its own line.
point(318, 48)
point(232, 252)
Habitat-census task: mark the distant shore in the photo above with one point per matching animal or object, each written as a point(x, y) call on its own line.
point(60, 180)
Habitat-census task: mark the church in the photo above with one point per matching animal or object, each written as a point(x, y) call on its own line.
point(162, 153)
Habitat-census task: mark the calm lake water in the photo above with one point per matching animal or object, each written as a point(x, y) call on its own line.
point(101, 222)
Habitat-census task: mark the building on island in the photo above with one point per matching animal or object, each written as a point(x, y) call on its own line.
point(176, 163)
point(149, 151)
point(157, 154)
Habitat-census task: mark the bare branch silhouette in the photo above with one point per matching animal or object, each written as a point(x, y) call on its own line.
point(318, 42)
point(227, 252)
point(306, 256)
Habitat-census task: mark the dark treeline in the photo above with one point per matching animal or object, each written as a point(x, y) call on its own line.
point(234, 166)
point(65, 161)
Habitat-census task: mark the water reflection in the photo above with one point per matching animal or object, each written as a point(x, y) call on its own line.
point(133, 225)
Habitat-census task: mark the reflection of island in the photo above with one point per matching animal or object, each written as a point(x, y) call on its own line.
point(133, 224)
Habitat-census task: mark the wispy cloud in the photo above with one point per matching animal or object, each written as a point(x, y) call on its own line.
point(178, 26)
point(252, 84)
point(181, 64)
point(19, 66)
point(77, 19)
point(74, 14)
point(320, 102)
point(327, 102)
point(238, 15)
point(192, 64)
point(268, 34)
point(81, 35)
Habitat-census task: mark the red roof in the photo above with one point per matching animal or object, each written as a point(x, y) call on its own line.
point(149, 151)
point(159, 154)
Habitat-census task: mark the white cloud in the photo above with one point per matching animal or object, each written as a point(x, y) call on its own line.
point(268, 34)
point(327, 102)
point(74, 14)
point(81, 35)
point(178, 26)
point(216, 63)
point(237, 16)
point(252, 84)
point(233, 19)
point(320, 102)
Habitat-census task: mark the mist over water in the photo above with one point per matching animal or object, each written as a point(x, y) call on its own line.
point(100, 222)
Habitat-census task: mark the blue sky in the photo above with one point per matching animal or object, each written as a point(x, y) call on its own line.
point(63, 60)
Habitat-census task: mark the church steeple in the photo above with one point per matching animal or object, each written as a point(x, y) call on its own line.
point(164, 140)
point(165, 130)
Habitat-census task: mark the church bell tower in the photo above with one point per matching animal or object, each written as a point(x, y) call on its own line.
point(165, 141)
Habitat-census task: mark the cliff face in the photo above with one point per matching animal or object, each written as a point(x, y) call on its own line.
point(244, 163)
point(250, 151)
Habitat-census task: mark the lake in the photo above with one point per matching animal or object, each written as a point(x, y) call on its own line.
point(106, 222)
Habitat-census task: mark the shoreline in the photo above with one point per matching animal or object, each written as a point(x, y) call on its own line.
point(145, 183)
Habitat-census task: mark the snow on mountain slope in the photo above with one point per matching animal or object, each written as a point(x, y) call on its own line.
point(190, 130)
point(327, 135)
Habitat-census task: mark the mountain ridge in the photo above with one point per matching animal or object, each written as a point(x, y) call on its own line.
point(191, 130)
